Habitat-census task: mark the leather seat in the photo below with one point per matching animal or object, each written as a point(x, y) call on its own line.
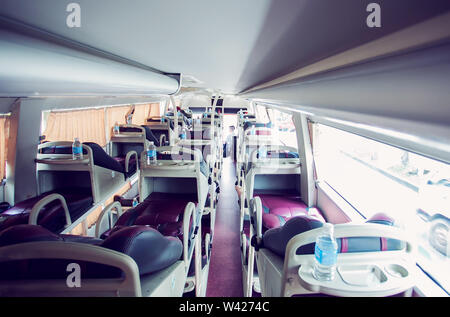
point(52, 216)
point(134, 241)
point(277, 239)
point(161, 211)
point(278, 209)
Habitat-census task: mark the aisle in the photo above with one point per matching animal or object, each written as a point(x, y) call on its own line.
point(225, 275)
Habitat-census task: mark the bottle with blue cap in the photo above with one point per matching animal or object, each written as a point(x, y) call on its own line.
point(77, 150)
point(183, 134)
point(325, 254)
point(262, 152)
point(151, 154)
point(116, 128)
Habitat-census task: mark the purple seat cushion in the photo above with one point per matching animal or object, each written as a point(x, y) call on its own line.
point(132, 164)
point(163, 211)
point(277, 209)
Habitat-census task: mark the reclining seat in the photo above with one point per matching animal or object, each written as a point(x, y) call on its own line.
point(101, 158)
point(278, 209)
point(281, 205)
point(51, 216)
point(277, 240)
point(249, 124)
point(132, 141)
point(78, 196)
point(161, 211)
point(150, 136)
point(132, 241)
point(158, 128)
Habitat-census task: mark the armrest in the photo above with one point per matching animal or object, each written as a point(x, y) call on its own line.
point(256, 214)
point(189, 212)
point(162, 140)
point(34, 214)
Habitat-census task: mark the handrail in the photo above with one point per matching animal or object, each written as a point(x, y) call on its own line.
point(34, 214)
point(127, 160)
point(189, 212)
point(107, 211)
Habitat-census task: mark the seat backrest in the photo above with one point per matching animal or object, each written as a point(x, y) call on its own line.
point(150, 136)
point(277, 239)
point(133, 241)
point(101, 158)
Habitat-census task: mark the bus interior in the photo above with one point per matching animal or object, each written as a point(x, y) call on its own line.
point(201, 148)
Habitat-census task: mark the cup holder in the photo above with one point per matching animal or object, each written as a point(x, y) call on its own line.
point(396, 270)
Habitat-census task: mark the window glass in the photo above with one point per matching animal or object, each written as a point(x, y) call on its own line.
point(261, 114)
point(374, 177)
point(285, 127)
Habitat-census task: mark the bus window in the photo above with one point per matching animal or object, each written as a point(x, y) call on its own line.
point(261, 114)
point(285, 126)
point(374, 177)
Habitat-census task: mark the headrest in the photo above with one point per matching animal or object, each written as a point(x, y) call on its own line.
point(129, 129)
point(148, 247)
point(26, 233)
point(58, 149)
point(276, 239)
point(381, 218)
point(249, 124)
point(263, 132)
point(280, 154)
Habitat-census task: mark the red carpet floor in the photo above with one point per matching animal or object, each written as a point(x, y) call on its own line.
point(225, 274)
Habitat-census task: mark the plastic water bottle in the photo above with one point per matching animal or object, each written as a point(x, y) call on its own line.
point(252, 131)
point(262, 152)
point(325, 254)
point(77, 150)
point(135, 202)
point(163, 119)
point(183, 134)
point(151, 154)
point(116, 128)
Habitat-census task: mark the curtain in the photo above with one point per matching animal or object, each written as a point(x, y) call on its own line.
point(141, 114)
point(155, 110)
point(116, 114)
point(145, 111)
point(4, 135)
point(87, 125)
